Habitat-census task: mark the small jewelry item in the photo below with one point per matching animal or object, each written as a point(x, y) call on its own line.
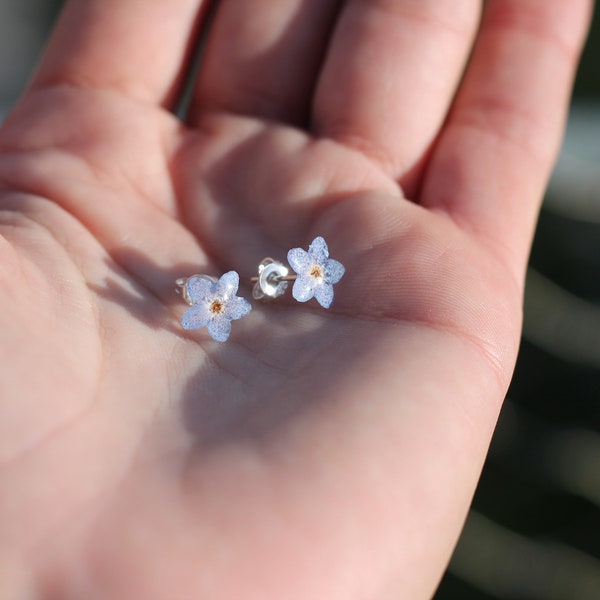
point(272, 281)
point(213, 303)
point(316, 274)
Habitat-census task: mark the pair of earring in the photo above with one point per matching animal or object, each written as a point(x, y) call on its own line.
point(214, 303)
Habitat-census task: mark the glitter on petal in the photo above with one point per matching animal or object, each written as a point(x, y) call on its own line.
point(334, 271)
point(199, 289)
point(324, 295)
point(237, 308)
point(299, 260)
point(303, 289)
point(318, 249)
point(219, 328)
point(228, 285)
point(196, 317)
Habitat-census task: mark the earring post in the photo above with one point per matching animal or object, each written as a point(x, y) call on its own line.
point(276, 278)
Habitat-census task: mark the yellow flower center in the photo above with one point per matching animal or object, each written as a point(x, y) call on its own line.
point(216, 307)
point(316, 272)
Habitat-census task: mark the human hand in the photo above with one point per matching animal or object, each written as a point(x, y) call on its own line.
point(316, 454)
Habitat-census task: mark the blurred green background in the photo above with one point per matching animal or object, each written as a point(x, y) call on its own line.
point(534, 529)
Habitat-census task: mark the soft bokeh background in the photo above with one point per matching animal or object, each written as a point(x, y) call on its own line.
point(534, 530)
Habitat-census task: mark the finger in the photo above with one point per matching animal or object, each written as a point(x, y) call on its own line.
point(390, 76)
point(262, 58)
point(496, 152)
point(135, 47)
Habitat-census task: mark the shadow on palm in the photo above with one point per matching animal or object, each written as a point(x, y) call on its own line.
point(248, 190)
point(282, 362)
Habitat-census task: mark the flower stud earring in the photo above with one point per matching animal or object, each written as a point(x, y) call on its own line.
point(316, 274)
point(213, 303)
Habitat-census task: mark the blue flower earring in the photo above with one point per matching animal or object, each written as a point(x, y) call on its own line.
point(213, 303)
point(316, 274)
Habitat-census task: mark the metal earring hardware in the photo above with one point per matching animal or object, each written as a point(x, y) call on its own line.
point(272, 281)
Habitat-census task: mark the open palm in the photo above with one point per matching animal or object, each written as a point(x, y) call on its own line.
point(317, 453)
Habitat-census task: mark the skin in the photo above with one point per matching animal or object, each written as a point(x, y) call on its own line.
point(317, 453)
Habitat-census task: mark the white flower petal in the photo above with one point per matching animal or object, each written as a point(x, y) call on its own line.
point(303, 289)
point(196, 317)
point(299, 260)
point(219, 328)
point(334, 271)
point(228, 285)
point(318, 250)
point(324, 295)
point(199, 289)
point(237, 308)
